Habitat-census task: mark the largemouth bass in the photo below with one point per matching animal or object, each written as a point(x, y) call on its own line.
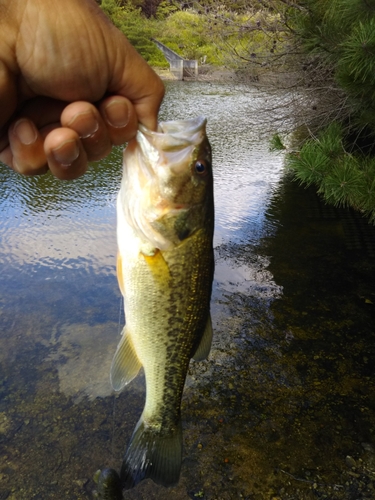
point(165, 223)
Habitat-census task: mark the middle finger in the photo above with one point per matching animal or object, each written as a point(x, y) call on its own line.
point(84, 118)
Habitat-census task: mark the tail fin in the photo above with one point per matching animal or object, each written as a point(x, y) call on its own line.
point(152, 454)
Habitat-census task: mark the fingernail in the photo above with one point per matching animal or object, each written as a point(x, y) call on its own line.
point(85, 124)
point(25, 131)
point(67, 153)
point(117, 114)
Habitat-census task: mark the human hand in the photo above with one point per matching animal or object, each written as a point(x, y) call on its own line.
point(71, 86)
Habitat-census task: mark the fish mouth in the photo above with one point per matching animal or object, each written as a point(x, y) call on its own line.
point(172, 135)
point(170, 147)
point(180, 131)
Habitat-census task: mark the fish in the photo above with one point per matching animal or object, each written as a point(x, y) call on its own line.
point(165, 267)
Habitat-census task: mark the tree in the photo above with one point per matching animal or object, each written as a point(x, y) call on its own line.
point(137, 28)
point(320, 52)
point(187, 33)
point(338, 155)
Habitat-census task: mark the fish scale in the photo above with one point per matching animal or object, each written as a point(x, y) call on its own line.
point(175, 312)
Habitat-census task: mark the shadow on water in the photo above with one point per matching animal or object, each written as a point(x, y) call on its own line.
point(291, 373)
point(284, 406)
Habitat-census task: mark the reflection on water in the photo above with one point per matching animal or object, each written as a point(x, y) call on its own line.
point(287, 394)
point(245, 172)
point(46, 222)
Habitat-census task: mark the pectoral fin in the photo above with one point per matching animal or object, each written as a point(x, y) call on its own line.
point(204, 346)
point(157, 265)
point(125, 364)
point(120, 277)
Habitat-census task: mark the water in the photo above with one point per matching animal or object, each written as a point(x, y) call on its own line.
point(288, 391)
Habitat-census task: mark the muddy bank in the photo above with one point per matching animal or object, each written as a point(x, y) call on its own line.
point(252, 76)
point(206, 73)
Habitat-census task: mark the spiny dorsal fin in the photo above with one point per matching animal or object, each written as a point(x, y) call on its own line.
point(204, 346)
point(125, 364)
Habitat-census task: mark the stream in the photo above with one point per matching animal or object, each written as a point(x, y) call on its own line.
point(284, 407)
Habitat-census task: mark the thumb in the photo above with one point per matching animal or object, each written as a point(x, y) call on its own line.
point(137, 81)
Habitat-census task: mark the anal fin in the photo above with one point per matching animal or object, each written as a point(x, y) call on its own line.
point(125, 364)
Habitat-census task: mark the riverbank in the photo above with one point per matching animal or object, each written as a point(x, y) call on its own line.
point(206, 73)
point(252, 76)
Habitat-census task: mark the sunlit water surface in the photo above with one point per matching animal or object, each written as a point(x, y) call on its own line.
point(287, 393)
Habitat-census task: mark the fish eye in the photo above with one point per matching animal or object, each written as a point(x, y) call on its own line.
point(200, 167)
